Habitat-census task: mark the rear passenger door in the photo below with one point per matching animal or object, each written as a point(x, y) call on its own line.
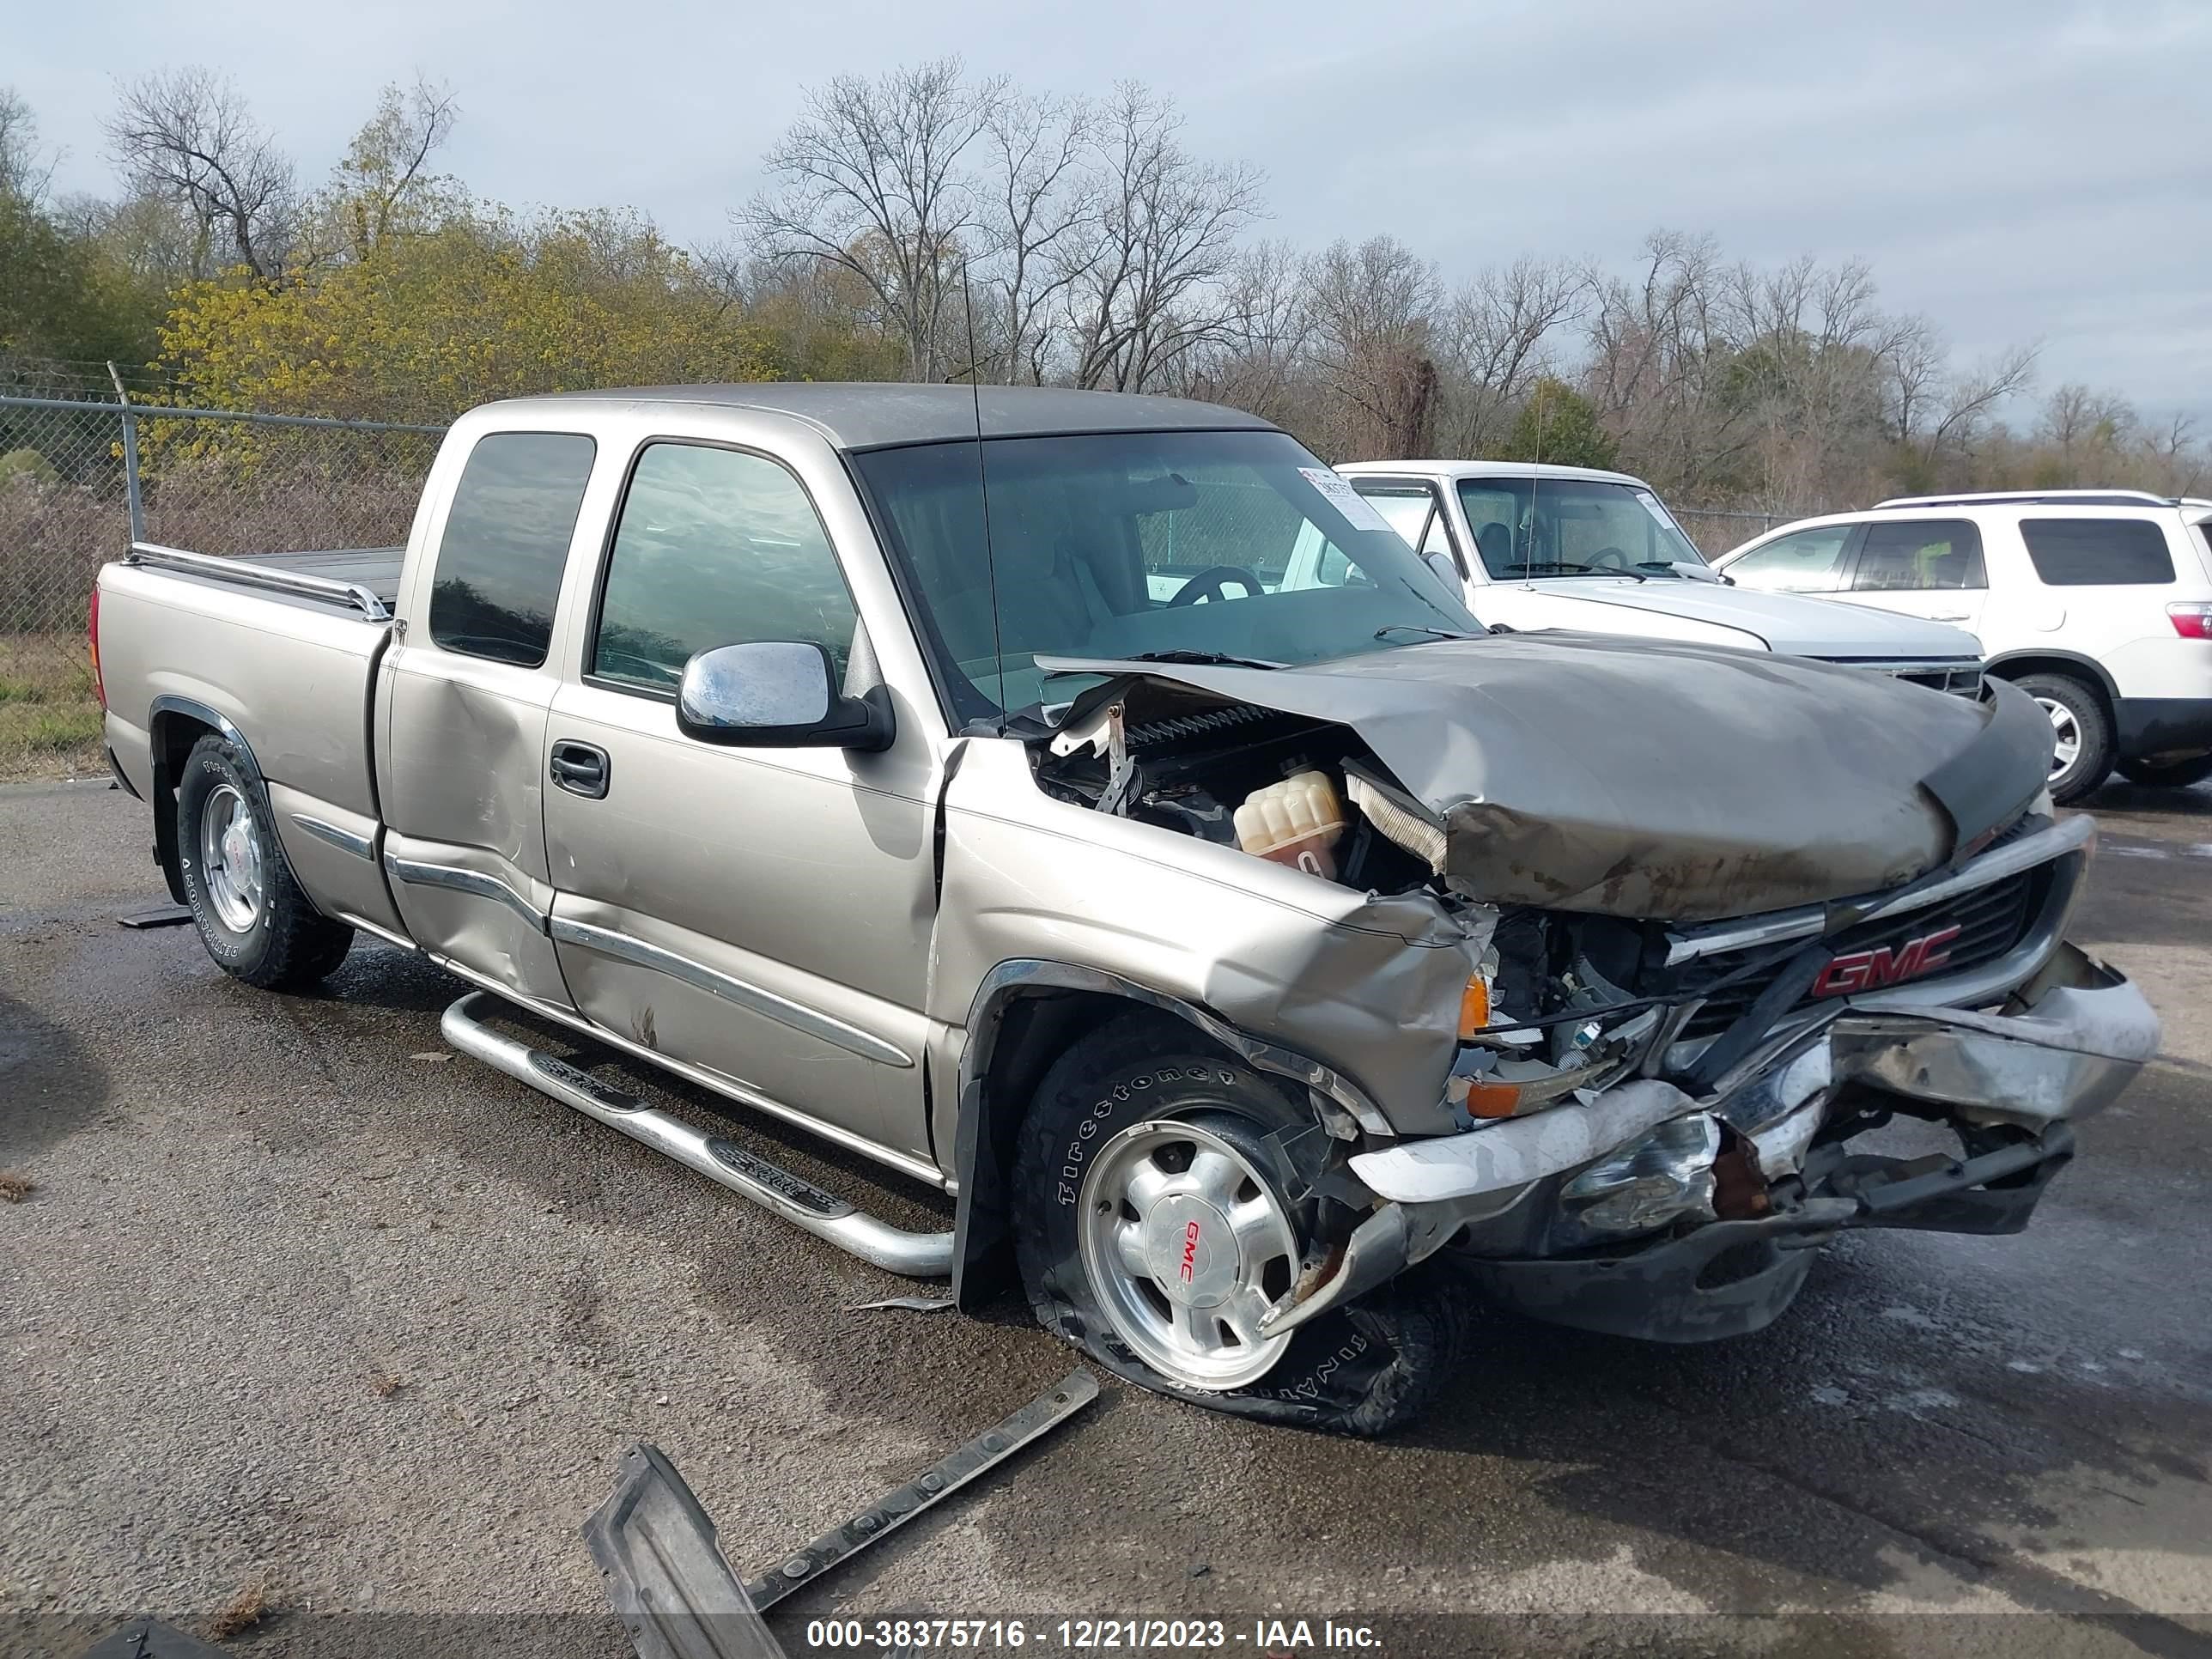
point(1930, 568)
point(466, 688)
point(761, 915)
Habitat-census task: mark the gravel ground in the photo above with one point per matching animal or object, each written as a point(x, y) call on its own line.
point(302, 1307)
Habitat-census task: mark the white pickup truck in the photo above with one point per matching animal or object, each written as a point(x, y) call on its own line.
point(1570, 547)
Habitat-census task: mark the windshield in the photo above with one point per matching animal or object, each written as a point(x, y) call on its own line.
point(1571, 527)
point(1211, 545)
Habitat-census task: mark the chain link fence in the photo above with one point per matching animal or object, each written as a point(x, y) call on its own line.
point(1717, 530)
point(80, 479)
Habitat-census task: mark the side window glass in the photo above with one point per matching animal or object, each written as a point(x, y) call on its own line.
point(715, 547)
point(1917, 556)
point(2097, 552)
point(1808, 561)
point(1405, 510)
point(506, 543)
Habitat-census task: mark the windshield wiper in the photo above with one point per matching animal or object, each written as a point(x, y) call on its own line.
point(1562, 568)
point(1200, 659)
point(1388, 628)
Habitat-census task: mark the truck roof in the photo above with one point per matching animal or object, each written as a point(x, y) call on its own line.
point(863, 415)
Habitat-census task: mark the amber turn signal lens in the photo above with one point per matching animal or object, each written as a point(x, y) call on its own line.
point(1493, 1100)
point(1474, 1008)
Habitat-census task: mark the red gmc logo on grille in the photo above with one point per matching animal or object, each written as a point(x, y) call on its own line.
point(1869, 970)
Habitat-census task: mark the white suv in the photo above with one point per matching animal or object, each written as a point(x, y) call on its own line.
point(1542, 547)
point(2098, 602)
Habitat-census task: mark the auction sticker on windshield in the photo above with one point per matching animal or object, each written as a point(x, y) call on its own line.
point(1345, 499)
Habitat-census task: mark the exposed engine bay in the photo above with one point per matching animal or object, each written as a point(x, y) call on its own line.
point(1679, 1013)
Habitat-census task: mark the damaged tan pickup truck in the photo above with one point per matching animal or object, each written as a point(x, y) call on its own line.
point(1087, 806)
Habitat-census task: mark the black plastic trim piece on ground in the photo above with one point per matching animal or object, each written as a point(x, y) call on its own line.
point(149, 1639)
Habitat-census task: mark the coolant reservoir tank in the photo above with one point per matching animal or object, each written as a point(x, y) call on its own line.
point(1295, 821)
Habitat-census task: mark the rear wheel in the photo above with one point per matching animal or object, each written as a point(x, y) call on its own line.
point(251, 916)
point(2082, 733)
point(1154, 1223)
point(2167, 775)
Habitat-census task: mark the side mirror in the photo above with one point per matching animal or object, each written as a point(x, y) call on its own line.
point(777, 694)
point(1441, 562)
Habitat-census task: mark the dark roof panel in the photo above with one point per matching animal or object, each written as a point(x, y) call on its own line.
point(859, 415)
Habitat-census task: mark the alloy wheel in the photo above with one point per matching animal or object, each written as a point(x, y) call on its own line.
point(1187, 1244)
point(231, 861)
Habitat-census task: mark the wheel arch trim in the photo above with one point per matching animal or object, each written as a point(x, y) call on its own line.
point(166, 851)
point(2011, 665)
point(980, 1229)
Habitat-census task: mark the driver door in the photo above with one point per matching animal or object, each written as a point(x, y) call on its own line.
point(760, 915)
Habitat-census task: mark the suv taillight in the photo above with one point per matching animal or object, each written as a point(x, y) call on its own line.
point(92, 639)
point(2192, 619)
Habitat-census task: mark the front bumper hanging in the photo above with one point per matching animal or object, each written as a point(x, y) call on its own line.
point(2012, 1083)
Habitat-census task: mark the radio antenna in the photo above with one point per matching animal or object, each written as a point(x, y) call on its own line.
point(983, 490)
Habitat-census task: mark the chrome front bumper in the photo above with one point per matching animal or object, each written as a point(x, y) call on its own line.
point(2082, 1031)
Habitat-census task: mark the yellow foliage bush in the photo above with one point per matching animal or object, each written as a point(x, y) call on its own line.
point(486, 304)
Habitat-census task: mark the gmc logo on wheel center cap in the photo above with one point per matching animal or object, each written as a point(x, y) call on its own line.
point(1190, 1252)
point(1869, 970)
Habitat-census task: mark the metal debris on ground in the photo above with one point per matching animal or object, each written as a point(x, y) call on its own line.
point(672, 1586)
point(909, 1304)
point(161, 915)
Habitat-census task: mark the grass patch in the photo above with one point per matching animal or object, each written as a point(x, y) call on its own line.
point(50, 723)
point(14, 1189)
point(242, 1612)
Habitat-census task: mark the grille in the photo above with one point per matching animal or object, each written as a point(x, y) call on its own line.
point(1990, 920)
point(1959, 679)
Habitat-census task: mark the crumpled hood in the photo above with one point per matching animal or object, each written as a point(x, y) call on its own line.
point(1789, 622)
point(1648, 778)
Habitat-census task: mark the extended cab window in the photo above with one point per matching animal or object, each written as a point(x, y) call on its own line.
point(1414, 512)
point(1915, 555)
point(1806, 561)
point(2097, 552)
point(506, 542)
point(715, 547)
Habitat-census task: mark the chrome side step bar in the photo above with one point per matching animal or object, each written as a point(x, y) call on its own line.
point(798, 1201)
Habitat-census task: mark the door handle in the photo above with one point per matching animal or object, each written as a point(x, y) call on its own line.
point(581, 769)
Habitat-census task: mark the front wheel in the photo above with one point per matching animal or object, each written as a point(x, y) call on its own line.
point(2167, 775)
point(1153, 1224)
point(251, 916)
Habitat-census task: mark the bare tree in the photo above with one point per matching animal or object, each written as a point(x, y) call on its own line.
point(1965, 399)
point(1497, 335)
point(1257, 361)
point(1374, 310)
point(871, 181)
point(1038, 199)
point(23, 177)
point(188, 135)
point(1147, 278)
point(2078, 420)
point(385, 173)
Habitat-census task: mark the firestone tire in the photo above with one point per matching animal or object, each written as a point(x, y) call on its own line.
point(263, 931)
point(1366, 1370)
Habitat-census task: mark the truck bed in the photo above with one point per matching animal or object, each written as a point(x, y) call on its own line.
point(376, 569)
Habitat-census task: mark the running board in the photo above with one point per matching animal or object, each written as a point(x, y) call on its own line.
point(798, 1201)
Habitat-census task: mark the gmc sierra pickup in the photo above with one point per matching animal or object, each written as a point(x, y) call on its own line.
point(1225, 957)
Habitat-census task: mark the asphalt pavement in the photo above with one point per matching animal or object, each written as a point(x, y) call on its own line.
point(302, 1310)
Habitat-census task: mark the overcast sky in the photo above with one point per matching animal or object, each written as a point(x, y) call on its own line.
point(2018, 169)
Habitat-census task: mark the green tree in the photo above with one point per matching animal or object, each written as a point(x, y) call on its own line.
point(1558, 425)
